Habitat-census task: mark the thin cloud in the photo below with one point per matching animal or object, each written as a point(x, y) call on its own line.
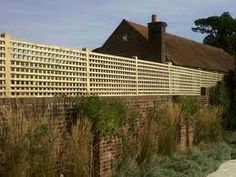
point(88, 23)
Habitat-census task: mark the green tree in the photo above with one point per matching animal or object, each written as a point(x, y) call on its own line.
point(220, 31)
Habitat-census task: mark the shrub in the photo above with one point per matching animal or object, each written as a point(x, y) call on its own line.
point(106, 116)
point(195, 164)
point(219, 152)
point(205, 163)
point(188, 106)
point(230, 138)
point(223, 95)
point(219, 95)
point(200, 163)
point(208, 125)
point(127, 167)
point(182, 166)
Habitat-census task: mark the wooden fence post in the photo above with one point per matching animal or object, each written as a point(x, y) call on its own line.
point(170, 75)
point(87, 70)
point(7, 64)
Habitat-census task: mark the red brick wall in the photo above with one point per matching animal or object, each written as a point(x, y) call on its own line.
point(186, 137)
point(106, 150)
point(110, 148)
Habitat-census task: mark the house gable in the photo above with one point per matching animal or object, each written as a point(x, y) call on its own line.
point(126, 41)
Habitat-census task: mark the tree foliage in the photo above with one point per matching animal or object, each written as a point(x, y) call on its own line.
point(220, 31)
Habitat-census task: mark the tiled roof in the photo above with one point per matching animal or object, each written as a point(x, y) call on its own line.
point(185, 52)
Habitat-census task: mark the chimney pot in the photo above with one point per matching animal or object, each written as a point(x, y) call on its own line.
point(154, 18)
point(156, 33)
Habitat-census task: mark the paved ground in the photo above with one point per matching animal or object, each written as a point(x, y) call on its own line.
point(227, 169)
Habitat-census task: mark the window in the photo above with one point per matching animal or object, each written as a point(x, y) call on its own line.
point(203, 91)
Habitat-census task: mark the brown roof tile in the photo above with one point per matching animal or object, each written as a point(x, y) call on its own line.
point(185, 52)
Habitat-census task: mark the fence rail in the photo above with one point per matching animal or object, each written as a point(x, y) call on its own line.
point(30, 69)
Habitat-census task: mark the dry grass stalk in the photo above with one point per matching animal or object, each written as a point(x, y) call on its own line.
point(80, 148)
point(31, 144)
point(161, 130)
point(170, 115)
point(36, 143)
point(208, 125)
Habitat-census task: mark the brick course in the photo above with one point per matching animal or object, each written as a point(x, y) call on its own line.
point(111, 148)
point(106, 149)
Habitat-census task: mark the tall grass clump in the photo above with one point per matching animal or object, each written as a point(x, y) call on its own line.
point(79, 149)
point(159, 136)
point(31, 144)
point(168, 117)
point(41, 146)
point(208, 125)
point(156, 153)
point(149, 138)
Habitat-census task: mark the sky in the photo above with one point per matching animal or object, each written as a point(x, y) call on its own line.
point(88, 23)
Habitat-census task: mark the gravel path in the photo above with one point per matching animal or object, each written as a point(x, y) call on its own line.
point(227, 169)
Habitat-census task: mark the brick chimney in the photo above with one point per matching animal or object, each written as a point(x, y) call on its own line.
point(156, 33)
